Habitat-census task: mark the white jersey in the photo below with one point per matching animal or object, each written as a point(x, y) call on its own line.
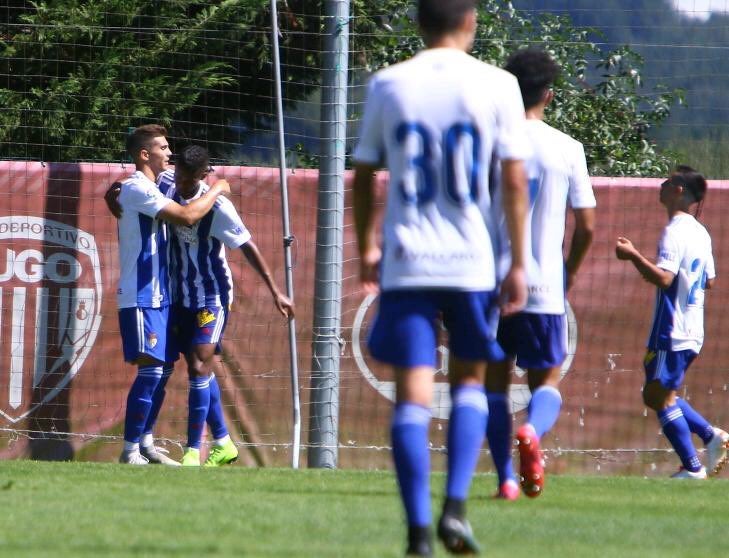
point(201, 271)
point(557, 173)
point(144, 276)
point(678, 320)
point(437, 120)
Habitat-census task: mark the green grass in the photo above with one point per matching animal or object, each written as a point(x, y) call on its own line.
point(93, 509)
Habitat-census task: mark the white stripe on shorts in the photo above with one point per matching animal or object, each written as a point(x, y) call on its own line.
point(140, 329)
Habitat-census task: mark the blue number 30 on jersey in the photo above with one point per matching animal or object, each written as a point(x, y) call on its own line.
point(419, 183)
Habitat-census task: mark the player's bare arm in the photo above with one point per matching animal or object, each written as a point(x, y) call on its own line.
point(257, 261)
point(111, 197)
point(191, 213)
point(364, 224)
point(625, 250)
point(513, 287)
point(581, 241)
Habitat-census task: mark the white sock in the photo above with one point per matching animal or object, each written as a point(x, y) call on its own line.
point(147, 440)
point(131, 446)
point(224, 440)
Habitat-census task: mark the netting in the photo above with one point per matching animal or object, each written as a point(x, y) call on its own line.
point(70, 88)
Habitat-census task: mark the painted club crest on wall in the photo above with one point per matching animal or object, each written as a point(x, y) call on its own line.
point(50, 309)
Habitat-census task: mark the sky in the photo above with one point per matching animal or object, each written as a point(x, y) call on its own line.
point(701, 9)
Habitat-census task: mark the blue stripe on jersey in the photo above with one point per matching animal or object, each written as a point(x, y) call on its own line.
point(203, 254)
point(145, 267)
point(163, 250)
point(144, 270)
point(165, 182)
point(660, 337)
point(189, 280)
point(175, 270)
point(222, 273)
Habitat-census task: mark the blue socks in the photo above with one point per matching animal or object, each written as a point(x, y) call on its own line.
point(410, 451)
point(696, 423)
point(216, 418)
point(158, 398)
point(466, 430)
point(198, 405)
point(544, 409)
point(677, 431)
point(139, 401)
point(498, 432)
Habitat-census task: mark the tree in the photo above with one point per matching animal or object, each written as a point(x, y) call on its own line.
point(598, 97)
point(77, 75)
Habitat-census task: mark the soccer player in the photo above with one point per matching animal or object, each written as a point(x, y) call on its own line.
point(536, 338)
point(143, 293)
point(436, 120)
point(204, 297)
point(684, 269)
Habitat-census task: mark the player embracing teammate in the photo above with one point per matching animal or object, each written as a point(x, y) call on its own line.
point(156, 323)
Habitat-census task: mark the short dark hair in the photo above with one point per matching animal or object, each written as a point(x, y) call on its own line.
point(693, 181)
point(193, 159)
point(439, 17)
point(535, 70)
point(142, 136)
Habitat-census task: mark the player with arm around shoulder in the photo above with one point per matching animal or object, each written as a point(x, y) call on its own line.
point(683, 270)
point(435, 121)
point(204, 285)
point(536, 338)
point(143, 294)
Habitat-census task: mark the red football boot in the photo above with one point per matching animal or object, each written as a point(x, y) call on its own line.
point(531, 463)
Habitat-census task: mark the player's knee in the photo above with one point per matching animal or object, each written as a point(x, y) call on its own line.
point(654, 396)
point(497, 381)
point(198, 370)
point(146, 360)
point(539, 377)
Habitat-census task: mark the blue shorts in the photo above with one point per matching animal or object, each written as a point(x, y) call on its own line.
point(667, 367)
point(200, 326)
point(148, 332)
point(405, 331)
point(535, 340)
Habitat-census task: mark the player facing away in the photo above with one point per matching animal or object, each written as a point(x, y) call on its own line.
point(684, 269)
point(536, 338)
point(204, 296)
point(143, 293)
point(436, 120)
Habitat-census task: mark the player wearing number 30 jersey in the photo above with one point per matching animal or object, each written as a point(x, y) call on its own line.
point(437, 121)
point(436, 130)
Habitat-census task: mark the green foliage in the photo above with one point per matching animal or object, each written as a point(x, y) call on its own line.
point(611, 115)
point(79, 74)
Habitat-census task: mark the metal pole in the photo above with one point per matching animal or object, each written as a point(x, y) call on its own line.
point(287, 239)
point(324, 415)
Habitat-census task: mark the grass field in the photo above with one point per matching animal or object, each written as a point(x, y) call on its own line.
point(95, 509)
